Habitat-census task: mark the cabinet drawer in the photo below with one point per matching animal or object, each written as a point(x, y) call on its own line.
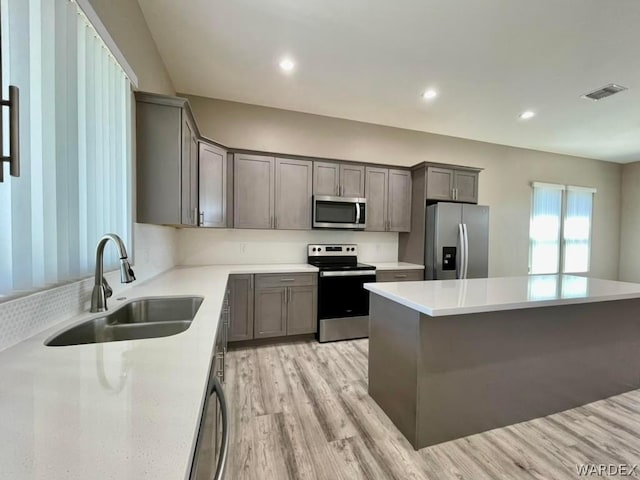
point(399, 275)
point(269, 280)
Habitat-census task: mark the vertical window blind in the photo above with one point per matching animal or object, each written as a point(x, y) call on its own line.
point(560, 229)
point(75, 140)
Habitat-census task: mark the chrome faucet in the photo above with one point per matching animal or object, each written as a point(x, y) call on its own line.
point(101, 289)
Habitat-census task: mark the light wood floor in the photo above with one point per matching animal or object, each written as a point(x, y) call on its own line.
point(301, 411)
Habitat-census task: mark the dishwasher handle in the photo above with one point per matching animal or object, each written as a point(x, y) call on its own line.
point(224, 445)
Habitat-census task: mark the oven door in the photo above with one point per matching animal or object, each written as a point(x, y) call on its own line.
point(341, 294)
point(339, 212)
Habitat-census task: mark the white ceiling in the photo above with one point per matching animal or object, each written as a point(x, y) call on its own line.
point(370, 60)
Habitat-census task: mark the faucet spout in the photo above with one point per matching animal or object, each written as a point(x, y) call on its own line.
point(101, 289)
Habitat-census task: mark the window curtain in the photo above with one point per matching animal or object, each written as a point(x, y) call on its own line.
point(75, 141)
point(544, 229)
point(577, 229)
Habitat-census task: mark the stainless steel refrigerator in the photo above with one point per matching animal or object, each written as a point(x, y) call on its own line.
point(457, 241)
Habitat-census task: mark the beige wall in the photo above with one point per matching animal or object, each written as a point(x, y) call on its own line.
point(504, 183)
point(126, 24)
point(630, 224)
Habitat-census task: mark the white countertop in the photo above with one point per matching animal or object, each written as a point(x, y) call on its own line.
point(455, 297)
point(395, 265)
point(119, 410)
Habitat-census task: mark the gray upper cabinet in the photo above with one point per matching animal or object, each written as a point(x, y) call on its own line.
point(466, 186)
point(241, 302)
point(338, 179)
point(326, 178)
point(351, 180)
point(212, 166)
point(399, 200)
point(440, 183)
point(294, 189)
point(253, 191)
point(452, 184)
point(377, 194)
point(167, 161)
point(388, 196)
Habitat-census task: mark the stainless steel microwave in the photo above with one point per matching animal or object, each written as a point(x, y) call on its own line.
point(339, 212)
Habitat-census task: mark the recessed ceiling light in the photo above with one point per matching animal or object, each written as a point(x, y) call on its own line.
point(526, 115)
point(430, 94)
point(287, 65)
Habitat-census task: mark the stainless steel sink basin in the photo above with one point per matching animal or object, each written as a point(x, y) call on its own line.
point(142, 318)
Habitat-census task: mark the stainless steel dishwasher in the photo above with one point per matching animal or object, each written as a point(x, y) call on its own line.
point(212, 444)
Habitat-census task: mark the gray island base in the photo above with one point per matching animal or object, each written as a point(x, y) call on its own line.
point(444, 377)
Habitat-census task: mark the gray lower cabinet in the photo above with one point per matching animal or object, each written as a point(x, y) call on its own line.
point(212, 166)
point(301, 310)
point(388, 193)
point(166, 161)
point(241, 298)
point(270, 312)
point(294, 189)
point(285, 304)
point(253, 191)
point(399, 275)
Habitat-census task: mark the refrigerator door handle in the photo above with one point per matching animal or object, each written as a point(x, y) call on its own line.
point(463, 253)
point(466, 250)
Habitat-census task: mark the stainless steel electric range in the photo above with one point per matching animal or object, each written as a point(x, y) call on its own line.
point(343, 303)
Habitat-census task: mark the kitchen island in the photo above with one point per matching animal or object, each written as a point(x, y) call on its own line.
point(452, 358)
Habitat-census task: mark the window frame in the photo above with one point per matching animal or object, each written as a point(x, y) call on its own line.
point(563, 218)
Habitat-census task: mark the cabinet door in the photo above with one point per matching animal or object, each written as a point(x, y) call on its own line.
point(399, 275)
point(326, 178)
point(193, 181)
point(188, 214)
point(399, 200)
point(301, 310)
point(439, 183)
point(376, 192)
point(241, 303)
point(351, 180)
point(212, 166)
point(270, 313)
point(294, 183)
point(253, 191)
point(466, 185)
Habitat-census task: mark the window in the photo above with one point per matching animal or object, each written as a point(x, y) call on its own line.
point(75, 142)
point(560, 229)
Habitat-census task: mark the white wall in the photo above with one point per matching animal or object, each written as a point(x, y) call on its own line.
point(214, 246)
point(504, 183)
point(630, 222)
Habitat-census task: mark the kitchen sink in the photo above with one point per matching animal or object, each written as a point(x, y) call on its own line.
point(141, 318)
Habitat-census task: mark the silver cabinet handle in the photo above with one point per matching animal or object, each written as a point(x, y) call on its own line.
point(201, 218)
point(399, 276)
point(287, 279)
point(14, 133)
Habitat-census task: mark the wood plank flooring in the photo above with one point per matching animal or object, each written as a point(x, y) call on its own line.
point(301, 411)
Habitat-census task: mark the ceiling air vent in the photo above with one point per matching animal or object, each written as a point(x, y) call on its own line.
point(604, 92)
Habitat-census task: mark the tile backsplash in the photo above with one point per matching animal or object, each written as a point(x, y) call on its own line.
point(153, 252)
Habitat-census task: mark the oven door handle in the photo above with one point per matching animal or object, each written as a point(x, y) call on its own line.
point(349, 273)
